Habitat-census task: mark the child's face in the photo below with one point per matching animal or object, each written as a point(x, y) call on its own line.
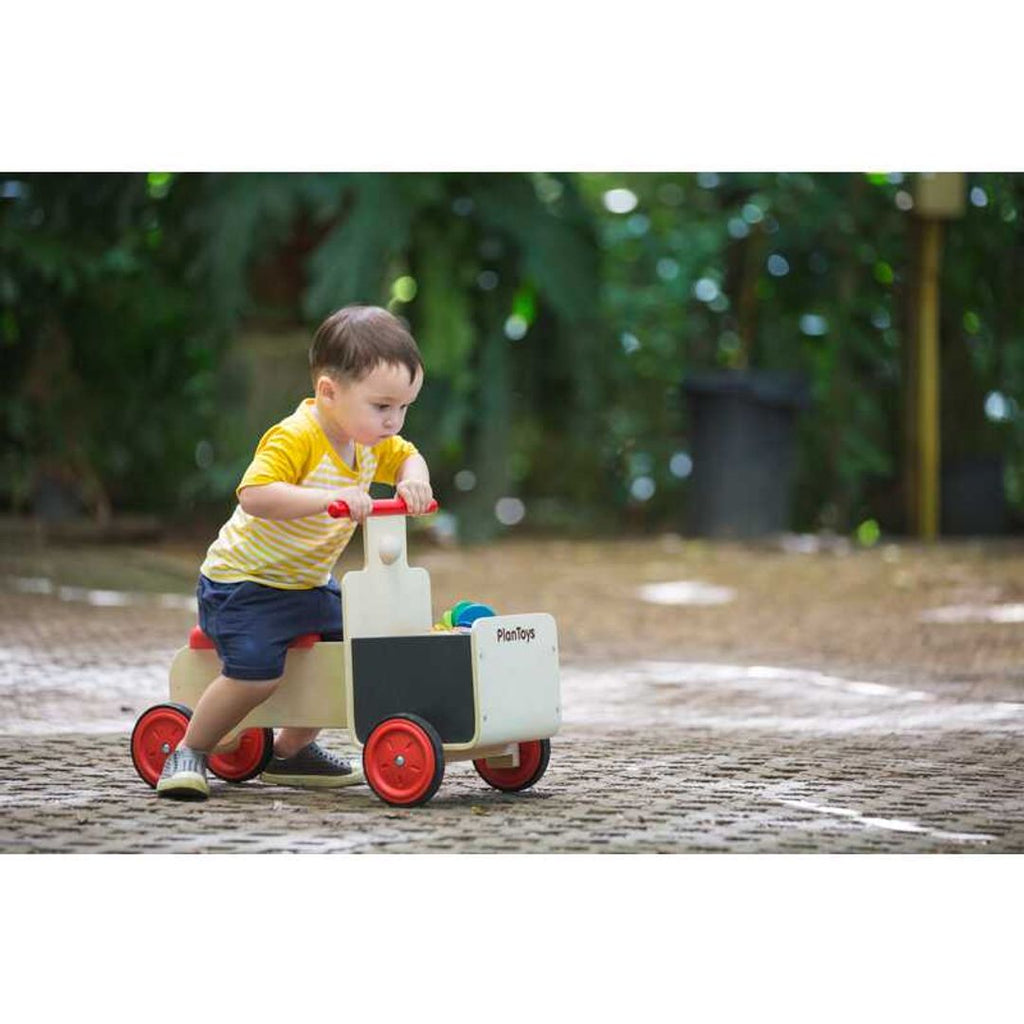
point(369, 410)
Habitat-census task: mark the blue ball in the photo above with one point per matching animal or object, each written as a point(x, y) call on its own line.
point(470, 613)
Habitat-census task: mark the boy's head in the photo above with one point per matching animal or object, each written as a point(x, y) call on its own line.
point(353, 341)
point(367, 371)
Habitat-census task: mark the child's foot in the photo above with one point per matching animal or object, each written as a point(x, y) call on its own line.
point(184, 776)
point(314, 767)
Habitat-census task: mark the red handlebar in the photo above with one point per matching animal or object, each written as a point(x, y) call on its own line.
point(381, 507)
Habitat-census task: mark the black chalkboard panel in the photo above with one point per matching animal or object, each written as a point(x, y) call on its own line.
point(431, 676)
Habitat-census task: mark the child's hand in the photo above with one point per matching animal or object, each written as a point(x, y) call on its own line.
point(416, 494)
point(360, 504)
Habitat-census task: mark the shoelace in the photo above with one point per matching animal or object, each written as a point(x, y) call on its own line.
point(314, 753)
point(186, 762)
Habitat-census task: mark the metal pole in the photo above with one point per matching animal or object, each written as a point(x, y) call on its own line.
point(928, 443)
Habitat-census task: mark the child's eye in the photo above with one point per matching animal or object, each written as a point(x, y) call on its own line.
point(381, 408)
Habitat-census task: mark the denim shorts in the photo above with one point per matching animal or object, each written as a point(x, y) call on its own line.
point(252, 625)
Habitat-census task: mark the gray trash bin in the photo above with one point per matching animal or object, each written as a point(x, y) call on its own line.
point(743, 447)
point(973, 501)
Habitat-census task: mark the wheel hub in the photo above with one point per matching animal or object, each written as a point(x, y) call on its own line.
point(399, 760)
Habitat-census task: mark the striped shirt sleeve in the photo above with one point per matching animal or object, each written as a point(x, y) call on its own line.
point(390, 456)
point(281, 456)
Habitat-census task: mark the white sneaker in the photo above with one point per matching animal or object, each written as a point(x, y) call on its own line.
point(184, 776)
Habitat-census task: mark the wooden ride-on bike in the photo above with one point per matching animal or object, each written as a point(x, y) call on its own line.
point(412, 696)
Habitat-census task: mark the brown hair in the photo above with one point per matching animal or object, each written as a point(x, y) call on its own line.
point(353, 340)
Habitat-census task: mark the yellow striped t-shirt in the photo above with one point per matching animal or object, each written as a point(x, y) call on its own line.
point(296, 554)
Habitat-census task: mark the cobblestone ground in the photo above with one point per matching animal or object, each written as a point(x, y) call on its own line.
point(659, 752)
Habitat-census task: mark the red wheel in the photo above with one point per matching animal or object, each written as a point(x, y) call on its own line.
point(403, 761)
point(158, 730)
point(533, 763)
point(253, 753)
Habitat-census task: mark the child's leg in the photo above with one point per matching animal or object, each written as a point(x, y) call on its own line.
point(321, 614)
point(224, 704)
point(292, 739)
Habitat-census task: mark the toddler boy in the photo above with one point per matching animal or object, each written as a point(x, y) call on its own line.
point(267, 577)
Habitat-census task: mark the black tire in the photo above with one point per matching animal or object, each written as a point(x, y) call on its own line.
point(423, 740)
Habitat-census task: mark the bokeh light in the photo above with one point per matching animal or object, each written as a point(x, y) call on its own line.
point(516, 327)
point(778, 265)
point(620, 200)
point(737, 227)
point(868, 533)
point(979, 197)
point(680, 465)
point(668, 269)
point(997, 407)
point(638, 225)
point(509, 511)
point(706, 290)
point(158, 184)
point(630, 342)
point(404, 289)
point(465, 480)
point(884, 273)
point(548, 189)
point(813, 325)
point(752, 213)
point(642, 488)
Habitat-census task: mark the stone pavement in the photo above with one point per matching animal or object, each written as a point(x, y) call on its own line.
point(684, 792)
point(657, 754)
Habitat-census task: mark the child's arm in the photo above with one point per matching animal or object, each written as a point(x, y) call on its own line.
point(280, 500)
point(412, 484)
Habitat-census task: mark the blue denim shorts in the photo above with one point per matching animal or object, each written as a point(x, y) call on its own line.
point(252, 625)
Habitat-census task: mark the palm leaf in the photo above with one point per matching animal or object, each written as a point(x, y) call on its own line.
point(349, 265)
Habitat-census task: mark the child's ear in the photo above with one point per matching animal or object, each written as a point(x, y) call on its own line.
point(324, 387)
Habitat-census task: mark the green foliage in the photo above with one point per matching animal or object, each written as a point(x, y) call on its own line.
point(121, 292)
point(799, 272)
point(109, 366)
point(349, 265)
point(557, 313)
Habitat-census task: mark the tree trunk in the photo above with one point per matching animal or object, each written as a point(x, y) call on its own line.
point(492, 445)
